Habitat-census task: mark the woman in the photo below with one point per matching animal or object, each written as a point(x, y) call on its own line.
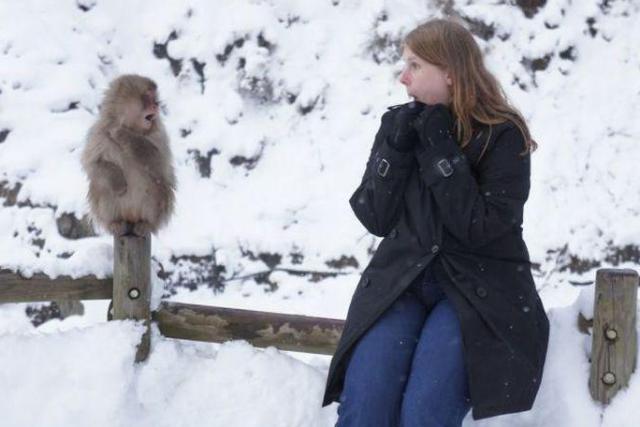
point(446, 316)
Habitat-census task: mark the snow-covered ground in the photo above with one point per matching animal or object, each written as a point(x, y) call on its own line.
point(271, 107)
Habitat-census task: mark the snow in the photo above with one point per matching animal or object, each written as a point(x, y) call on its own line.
point(86, 376)
point(300, 86)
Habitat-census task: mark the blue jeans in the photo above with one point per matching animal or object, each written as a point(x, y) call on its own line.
point(408, 369)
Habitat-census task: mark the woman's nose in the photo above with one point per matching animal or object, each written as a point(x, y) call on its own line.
point(404, 77)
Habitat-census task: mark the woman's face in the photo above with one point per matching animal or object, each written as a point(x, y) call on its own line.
point(425, 82)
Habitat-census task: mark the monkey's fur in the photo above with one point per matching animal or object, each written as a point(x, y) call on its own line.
point(128, 160)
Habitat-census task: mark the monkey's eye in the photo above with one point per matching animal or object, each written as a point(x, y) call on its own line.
point(148, 101)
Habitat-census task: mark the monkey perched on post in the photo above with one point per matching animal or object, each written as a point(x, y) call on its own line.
point(128, 160)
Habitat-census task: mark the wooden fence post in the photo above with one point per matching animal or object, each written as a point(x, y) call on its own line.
point(615, 338)
point(132, 284)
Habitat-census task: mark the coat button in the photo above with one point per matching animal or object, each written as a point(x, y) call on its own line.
point(435, 249)
point(365, 282)
point(481, 292)
point(393, 234)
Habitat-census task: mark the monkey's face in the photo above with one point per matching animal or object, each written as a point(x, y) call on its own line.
point(150, 109)
point(142, 111)
point(132, 101)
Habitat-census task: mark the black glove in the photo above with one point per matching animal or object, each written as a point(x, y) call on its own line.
point(400, 131)
point(434, 124)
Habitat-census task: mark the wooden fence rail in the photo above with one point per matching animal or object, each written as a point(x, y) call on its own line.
point(262, 329)
point(15, 288)
point(130, 291)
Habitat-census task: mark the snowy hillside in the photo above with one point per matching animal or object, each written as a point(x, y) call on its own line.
point(271, 107)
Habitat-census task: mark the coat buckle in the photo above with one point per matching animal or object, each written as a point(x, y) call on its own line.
point(383, 167)
point(445, 167)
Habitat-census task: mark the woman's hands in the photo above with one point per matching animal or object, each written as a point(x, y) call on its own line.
point(438, 154)
point(433, 124)
point(398, 126)
point(415, 125)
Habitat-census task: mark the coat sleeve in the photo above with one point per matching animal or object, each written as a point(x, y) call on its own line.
point(481, 208)
point(377, 202)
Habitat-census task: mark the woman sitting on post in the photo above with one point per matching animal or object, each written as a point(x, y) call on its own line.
point(446, 316)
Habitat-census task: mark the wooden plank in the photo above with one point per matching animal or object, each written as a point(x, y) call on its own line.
point(132, 284)
point(217, 324)
point(15, 288)
point(615, 338)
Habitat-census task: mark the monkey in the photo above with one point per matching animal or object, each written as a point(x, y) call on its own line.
point(128, 160)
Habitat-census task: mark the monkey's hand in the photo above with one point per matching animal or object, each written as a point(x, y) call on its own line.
point(145, 154)
point(139, 147)
point(119, 228)
point(113, 177)
point(141, 228)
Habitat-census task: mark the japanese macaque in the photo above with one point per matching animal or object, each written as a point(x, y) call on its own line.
point(128, 160)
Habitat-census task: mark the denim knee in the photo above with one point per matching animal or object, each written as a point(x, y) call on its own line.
point(379, 366)
point(437, 390)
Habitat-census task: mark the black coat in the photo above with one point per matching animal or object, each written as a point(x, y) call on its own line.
point(466, 214)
